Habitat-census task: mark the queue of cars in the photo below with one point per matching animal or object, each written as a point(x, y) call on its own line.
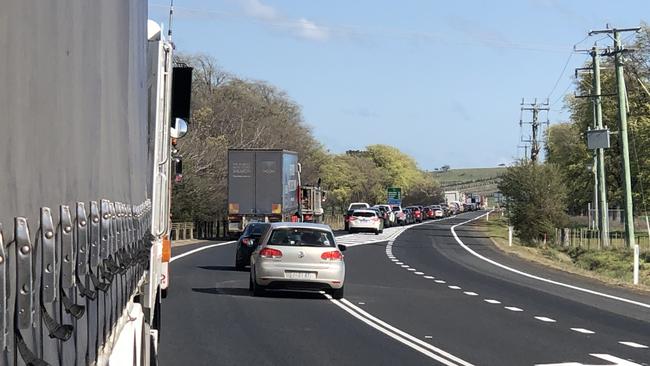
point(360, 216)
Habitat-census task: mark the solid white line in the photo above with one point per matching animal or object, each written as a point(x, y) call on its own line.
point(617, 361)
point(545, 319)
point(583, 330)
point(393, 334)
point(470, 293)
point(633, 344)
point(491, 301)
point(513, 308)
point(471, 251)
point(406, 335)
point(198, 250)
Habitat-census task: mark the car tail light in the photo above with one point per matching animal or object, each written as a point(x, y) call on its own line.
point(270, 253)
point(375, 218)
point(334, 255)
point(352, 218)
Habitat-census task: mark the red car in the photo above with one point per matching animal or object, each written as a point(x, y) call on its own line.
point(417, 213)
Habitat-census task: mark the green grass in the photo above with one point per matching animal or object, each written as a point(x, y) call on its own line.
point(455, 176)
point(612, 266)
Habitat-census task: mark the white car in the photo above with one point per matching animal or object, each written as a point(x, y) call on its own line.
point(358, 206)
point(366, 220)
point(298, 256)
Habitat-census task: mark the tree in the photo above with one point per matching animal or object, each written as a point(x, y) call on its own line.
point(536, 196)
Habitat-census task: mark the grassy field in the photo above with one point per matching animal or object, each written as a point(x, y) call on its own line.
point(473, 180)
point(613, 266)
point(459, 176)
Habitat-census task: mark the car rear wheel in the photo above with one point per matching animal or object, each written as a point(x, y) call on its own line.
point(258, 290)
point(337, 293)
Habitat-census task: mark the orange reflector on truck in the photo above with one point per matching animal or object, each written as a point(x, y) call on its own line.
point(166, 249)
point(276, 208)
point(233, 208)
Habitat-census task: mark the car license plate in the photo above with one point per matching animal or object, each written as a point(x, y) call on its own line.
point(300, 275)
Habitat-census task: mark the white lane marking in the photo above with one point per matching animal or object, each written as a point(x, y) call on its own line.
point(419, 273)
point(429, 277)
point(428, 337)
point(633, 344)
point(513, 308)
point(397, 334)
point(492, 301)
point(454, 287)
point(470, 293)
point(545, 319)
point(406, 335)
point(361, 303)
point(439, 281)
point(400, 263)
point(405, 266)
point(471, 251)
point(411, 269)
point(583, 330)
point(179, 256)
point(617, 361)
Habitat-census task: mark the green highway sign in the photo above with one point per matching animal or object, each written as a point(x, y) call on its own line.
point(394, 196)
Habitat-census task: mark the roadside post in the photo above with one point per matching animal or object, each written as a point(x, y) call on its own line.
point(636, 264)
point(510, 235)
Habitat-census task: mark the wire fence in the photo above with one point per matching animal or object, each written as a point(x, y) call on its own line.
point(590, 239)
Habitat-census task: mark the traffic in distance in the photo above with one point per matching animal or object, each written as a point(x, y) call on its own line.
point(360, 216)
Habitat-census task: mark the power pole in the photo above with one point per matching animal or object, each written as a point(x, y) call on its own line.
point(622, 116)
point(535, 108)
point(603, 217)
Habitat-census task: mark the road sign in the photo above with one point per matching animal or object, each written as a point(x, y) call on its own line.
point(394, 196)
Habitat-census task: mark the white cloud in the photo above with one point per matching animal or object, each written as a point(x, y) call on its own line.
point(257, 9)
point(302, 28)
point(310, 30)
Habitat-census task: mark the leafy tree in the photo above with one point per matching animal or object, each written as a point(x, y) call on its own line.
point(536, 199)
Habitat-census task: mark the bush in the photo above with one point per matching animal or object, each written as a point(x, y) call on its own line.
point(536, 200)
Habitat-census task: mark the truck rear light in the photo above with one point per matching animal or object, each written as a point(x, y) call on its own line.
point(334, 255)
point(270, 253)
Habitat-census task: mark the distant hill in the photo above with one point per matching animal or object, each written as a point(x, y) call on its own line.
point(481, 181)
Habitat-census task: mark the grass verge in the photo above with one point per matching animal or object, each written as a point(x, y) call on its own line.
point(611, 266)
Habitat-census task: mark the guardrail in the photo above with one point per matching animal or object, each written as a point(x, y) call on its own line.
point(64, 284)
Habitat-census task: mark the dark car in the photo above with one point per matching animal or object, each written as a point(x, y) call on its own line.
point(247, 243)
point(417, 213)
point(410, 218)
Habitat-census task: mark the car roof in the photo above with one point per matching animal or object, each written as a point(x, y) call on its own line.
point(304, 225)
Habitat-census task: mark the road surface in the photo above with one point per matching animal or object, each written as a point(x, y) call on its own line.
point(422, 295)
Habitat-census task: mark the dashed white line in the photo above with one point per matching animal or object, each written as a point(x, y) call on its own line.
point(405, 266)
point(440, 281)
point(411, 269)
point(492, 301)
point(513, 308)
point(428, 337)
point(583, 330)
point(454, 287)
point(419, 273)
point(429, 277)
point(545, 319)
point(470, 293)
point(633, 344)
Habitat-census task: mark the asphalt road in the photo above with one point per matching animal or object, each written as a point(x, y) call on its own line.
point(413, 296)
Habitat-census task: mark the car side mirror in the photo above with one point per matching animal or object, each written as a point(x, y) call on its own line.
point(342, 247)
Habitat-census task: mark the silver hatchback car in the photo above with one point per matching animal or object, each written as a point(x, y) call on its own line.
point(298, 256)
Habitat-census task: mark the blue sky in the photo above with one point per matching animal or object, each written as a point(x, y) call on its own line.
point(440, 80)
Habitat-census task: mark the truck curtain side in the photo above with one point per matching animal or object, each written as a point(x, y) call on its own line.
point(262, 186)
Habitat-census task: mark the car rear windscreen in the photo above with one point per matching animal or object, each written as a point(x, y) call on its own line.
point(364, 214)
point(301, 237)
point(357, 207)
